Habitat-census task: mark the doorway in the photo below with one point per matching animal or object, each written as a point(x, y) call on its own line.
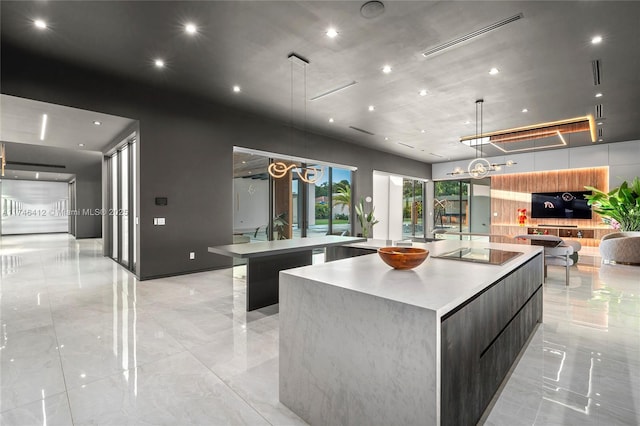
point(120, 238)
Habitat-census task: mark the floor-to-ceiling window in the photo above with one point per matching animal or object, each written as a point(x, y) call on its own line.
point(341, 201)
point(412, 208)
point(119, 213)
point(463, 206)
point(451, 200)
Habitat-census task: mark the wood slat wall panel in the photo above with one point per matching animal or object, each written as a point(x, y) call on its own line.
point(512, 192)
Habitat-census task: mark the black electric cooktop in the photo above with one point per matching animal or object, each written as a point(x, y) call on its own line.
point(480, 255)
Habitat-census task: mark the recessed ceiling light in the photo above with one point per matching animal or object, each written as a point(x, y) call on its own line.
point(600, 123)
point(37, 175)
point(236, 89)
point(43, 127)
point(371, 108)
point(467, 122)
point(244, 162)
point(598, 95)
point(423, 92)
point(80, 144)
point(525, 110)
point(190, 28)
point(599, 140)
point(159, 63)
point(331, 120)
point(386, 69)
point(494, 71)
point(39, 23)
point(596, 40)
point(386, 138)
point(422, 131)
point(331, 32)
point(97, 123)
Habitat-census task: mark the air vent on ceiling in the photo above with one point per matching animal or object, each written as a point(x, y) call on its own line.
point(596, 67)
point(600, 132)
point(599, 113)
point(22, 163)
point(404, 144)
point(362, 130)
point(472, 35)
point(436, 155)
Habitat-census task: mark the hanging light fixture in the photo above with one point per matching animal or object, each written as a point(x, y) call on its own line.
point(3, 158)
point(480, 167)
point(279, 169)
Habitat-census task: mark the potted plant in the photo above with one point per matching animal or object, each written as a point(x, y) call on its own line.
point(280, 227)
point(622, 204)
point(366, 220)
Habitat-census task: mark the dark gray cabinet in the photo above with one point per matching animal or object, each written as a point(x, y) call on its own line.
point(482, 338)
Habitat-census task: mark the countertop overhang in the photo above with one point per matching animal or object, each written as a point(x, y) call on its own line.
point(439, 285)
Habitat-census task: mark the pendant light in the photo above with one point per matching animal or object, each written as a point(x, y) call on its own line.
point(280, 169)
point(480, 167)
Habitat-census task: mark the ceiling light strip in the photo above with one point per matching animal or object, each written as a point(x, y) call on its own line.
point(592, 127)
point(332, 91)
point(472, 35)
point(532, 127)
point(362, 130)
point(3, 159)
point(524, 135)
point(43, 127)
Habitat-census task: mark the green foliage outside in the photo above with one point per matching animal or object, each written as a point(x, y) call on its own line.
point(450, 187)
point(322, 211)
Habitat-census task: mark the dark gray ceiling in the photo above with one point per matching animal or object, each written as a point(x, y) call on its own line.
point(544, 61)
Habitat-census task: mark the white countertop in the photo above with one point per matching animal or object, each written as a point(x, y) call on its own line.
point(270, 248)
point(437, 284)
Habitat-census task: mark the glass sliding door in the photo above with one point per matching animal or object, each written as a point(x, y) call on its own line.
point(451, 210)
point(119, 213)
point(341, 201)
point(463, 206)
point(72, 208)
point(113, 219)
point(412, 208)
point(122, 212)
point(318, 197)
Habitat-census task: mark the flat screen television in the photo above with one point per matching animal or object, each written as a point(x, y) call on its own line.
point(560, 205)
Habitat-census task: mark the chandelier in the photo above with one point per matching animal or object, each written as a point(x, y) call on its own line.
point(279, 169)
point(307, 174)
point(480, 167)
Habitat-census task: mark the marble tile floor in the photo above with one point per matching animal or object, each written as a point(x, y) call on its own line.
point(85, 343)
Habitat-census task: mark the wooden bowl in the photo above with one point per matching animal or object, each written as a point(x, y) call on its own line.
point(403, 257)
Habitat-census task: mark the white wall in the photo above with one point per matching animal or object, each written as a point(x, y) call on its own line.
point(250, 204)
point(387, 199)
point(623, 159)
point(380, 199)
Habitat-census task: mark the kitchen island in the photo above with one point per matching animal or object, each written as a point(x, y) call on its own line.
point(266, 259)
point(361, 343)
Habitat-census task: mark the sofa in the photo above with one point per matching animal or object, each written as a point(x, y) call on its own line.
point(621, 247)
